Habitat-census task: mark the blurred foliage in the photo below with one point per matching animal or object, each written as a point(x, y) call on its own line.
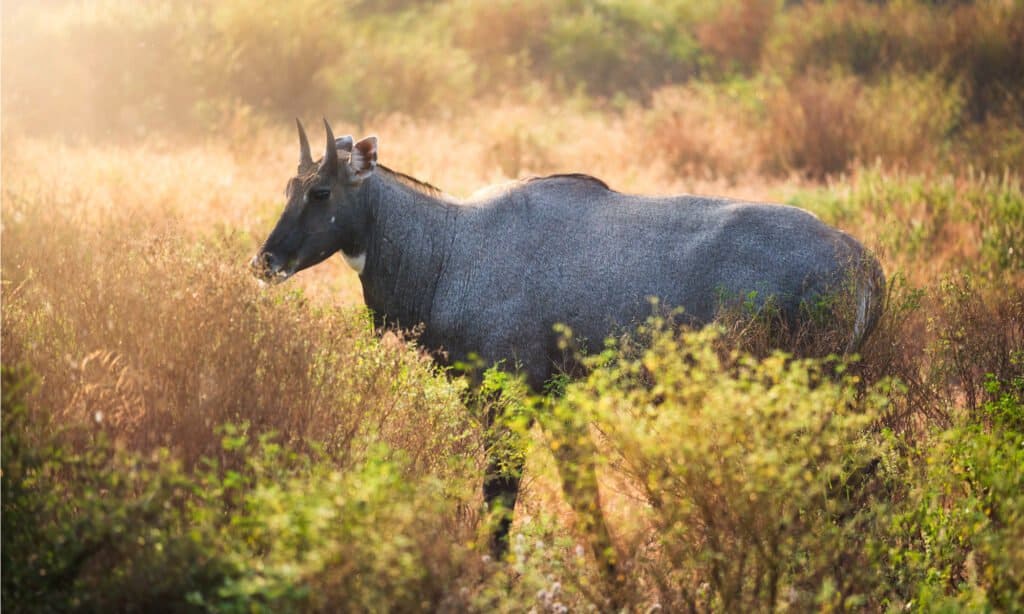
point(914, 83)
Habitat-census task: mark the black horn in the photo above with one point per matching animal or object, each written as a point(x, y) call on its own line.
point(305, 158)
point(329, 165)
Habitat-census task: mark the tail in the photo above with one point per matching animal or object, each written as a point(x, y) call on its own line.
point(869, 297)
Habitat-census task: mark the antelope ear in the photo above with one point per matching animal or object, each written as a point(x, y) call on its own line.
point(344, 143)
point(364, 158)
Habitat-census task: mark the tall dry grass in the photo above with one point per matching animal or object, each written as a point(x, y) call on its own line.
point(127, 293)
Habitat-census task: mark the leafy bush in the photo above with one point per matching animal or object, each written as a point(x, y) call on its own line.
point(911, 134)
point(507, 39)
point(822, 123)
point(958, 542)
point(77, 522)
point(700, 132)
point(755, 472)
point(735, 34)
point(408, 66)
point(107, 529)
point(628, 47)
point(814, 125)
point(979, 333)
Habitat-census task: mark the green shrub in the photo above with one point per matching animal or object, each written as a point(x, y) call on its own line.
point(821, 123)
point(507, 39)
point(270, 528)
point(813, 124)
point(849, 36)
point(958, 544)
point(373, 537)
point(407, 66)
point(734, 34)
point(615, 46)
point(755, 472)
point(268, 55)
point(702, 131)
point(995, 145)
point(979, 333)
point(914, 132)
point(93, 528)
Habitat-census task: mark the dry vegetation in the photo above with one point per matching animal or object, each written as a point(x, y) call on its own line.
point(176, 437)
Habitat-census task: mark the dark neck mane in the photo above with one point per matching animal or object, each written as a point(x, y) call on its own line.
point(411, 228)
point(420, 186)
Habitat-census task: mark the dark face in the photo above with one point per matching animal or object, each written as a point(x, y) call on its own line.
point(319, 217)
point(323, 214)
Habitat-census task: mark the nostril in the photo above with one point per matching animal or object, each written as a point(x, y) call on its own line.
point(270, 261)
point(263, 261)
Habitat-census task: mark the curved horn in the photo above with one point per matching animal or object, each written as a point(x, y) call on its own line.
point(305, 158)
point(329, 165)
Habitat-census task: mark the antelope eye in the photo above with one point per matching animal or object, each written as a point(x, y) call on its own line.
point(319, 193)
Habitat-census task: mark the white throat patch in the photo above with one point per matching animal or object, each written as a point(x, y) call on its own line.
point(358, 263)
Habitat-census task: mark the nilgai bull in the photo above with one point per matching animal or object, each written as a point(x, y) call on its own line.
point(492, 276)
